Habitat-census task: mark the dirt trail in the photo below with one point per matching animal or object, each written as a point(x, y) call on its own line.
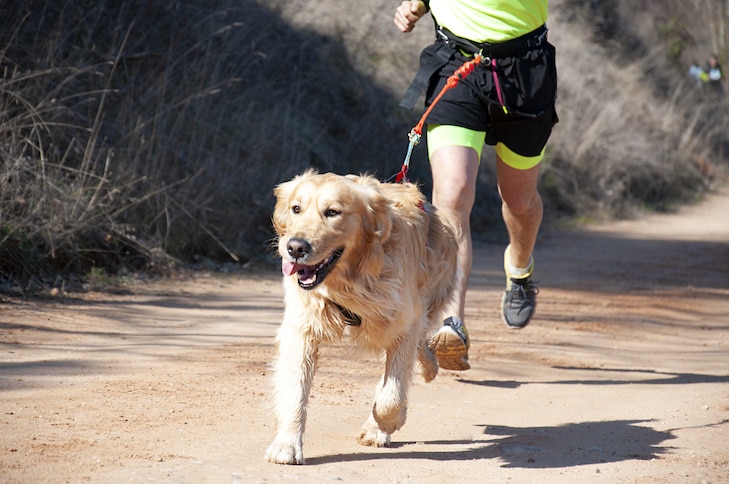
point(622, 377)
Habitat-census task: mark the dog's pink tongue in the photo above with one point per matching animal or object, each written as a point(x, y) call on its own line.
point(288, 268)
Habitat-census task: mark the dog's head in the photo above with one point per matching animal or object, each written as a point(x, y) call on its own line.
point(329, 225)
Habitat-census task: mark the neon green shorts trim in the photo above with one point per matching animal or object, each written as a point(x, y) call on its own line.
point(440, 135)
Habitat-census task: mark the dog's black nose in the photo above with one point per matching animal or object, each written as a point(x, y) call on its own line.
point(298, 248)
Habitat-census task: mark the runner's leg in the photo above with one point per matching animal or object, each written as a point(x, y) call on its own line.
point(521, 208)
point(454, 170)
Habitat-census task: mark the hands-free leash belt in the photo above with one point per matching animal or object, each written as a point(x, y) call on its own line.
point(450, 43)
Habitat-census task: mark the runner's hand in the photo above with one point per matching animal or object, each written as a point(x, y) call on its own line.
point(408, 13)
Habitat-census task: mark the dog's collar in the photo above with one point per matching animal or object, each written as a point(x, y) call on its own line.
point(350, 318)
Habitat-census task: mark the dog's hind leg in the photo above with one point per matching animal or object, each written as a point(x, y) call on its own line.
point(427, 364)
point(293, 373)
point(390, 408)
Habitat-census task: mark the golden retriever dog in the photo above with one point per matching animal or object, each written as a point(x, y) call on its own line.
point(368, 260)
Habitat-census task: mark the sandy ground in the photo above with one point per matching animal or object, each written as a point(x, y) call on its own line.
point(622, 377)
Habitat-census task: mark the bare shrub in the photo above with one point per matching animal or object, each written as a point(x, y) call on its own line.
point(137, 134)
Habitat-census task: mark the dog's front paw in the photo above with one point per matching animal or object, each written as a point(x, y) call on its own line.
point(372, 436)
point(285, 452)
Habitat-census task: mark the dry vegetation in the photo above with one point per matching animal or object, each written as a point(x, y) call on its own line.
point(136, 134)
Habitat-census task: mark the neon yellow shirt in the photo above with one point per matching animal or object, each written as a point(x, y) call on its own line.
point(490, 20)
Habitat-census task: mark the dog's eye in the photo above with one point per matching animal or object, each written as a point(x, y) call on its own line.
point(296, 209)
point(331, 212)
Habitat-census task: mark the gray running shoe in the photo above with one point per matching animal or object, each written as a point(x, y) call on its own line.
point(519, 302)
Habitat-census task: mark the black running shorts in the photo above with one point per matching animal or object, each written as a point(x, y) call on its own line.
point(520, 116)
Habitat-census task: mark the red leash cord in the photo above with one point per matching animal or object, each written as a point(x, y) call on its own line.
point(417, 132)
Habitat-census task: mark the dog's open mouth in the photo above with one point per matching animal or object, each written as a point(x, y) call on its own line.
point(311, 276)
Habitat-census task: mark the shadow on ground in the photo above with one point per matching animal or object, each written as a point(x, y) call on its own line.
point(569, 445)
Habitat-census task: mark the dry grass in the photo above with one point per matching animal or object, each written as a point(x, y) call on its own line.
point(137, 134)
point(621, 145)
point(157, 131)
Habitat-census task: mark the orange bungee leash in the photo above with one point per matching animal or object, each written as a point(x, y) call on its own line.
point(417, 132)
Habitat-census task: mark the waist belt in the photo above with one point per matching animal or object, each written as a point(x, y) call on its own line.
point(449, 43)
point(509, 47)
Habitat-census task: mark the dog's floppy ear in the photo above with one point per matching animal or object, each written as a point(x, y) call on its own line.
point(376, 223)
point(379, 215)
point(381, 212)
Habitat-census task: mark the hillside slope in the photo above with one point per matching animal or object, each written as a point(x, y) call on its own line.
point(133, 141)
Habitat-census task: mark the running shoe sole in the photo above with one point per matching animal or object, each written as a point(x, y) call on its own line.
point(450, 350)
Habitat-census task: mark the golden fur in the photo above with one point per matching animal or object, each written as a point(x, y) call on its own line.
point(394, 273)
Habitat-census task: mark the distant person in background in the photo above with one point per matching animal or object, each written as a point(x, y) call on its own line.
point(710, 76)
point(695, 72)
point(714, 74)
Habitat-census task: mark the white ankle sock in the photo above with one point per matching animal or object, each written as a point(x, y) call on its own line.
point(519, 272)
